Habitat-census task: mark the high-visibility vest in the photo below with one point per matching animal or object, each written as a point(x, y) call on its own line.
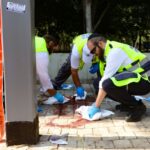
point(139, 68)
point(40, 45)
point(79, 42)
point(101, 67)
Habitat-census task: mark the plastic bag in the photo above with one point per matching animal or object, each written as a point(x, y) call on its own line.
point(83, 110)
point(78, 98)
point(52, 100)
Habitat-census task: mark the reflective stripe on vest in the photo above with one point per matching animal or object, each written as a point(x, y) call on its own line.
point(79, 42)
point(40, 44)
point(125, 78)
point(138, 64)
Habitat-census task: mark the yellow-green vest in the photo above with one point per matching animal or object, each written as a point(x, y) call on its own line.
point(137, 58)
point(101, 67)
point(79, 42)
point(40, 44)
point(131, 52)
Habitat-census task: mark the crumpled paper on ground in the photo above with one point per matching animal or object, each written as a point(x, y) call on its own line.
point(67, 86)
point(59, 139)
point(78, 98)
point(83, 110)
point(142, 98)
point(52, 100)
point(148, 99)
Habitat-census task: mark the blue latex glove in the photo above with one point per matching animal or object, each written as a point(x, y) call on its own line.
point(39, 109)
point(94, 68)
point(93, 110)
point(80, 91)
point(59, 97)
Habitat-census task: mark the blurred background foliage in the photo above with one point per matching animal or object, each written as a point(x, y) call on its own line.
point(122, 20)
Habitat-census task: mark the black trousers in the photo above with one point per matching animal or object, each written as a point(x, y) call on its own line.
point(63, 73)
point(125, 94)
point(96, 84)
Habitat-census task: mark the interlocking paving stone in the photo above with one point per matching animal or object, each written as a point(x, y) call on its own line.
point(140, 143)
point(104, 144)
point(122, 144)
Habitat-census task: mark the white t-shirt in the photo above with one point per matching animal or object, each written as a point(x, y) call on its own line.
point(42, 61)
point(116, 58)
point(75, 56)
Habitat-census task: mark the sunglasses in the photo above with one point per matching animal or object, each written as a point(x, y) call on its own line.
point(93, 50)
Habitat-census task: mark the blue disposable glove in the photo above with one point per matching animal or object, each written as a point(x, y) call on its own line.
point(59, 97)
point(80, 91)
point(93, 110)
point(39, 109)
point(94, 68)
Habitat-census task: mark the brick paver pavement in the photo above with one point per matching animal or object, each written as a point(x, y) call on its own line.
point(110, 133)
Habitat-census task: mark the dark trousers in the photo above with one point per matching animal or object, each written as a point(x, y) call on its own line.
point(124, 94)
point(63, 73)
point(96, 84)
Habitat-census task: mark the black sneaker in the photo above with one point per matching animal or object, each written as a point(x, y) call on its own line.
point(137, 112)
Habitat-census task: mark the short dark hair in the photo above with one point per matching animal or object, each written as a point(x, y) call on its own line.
point(96, 37)
point(52, 38)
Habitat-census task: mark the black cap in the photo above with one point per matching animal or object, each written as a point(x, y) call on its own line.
point(94, 35)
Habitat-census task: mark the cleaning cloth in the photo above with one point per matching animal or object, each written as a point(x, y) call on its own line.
point(78, 98)
point(83, 110)
point(52, 100)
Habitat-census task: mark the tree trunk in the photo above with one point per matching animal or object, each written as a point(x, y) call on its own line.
point(88, 18)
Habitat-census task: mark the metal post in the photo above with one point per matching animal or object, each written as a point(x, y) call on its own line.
point(19, 59)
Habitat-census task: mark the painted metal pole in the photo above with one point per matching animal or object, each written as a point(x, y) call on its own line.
point(19, 61)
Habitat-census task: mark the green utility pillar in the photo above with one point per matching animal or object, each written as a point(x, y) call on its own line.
point(19, 61)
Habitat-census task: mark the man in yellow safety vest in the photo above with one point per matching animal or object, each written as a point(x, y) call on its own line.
point(126, 73)
point(79, 56)
point(43, 46)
